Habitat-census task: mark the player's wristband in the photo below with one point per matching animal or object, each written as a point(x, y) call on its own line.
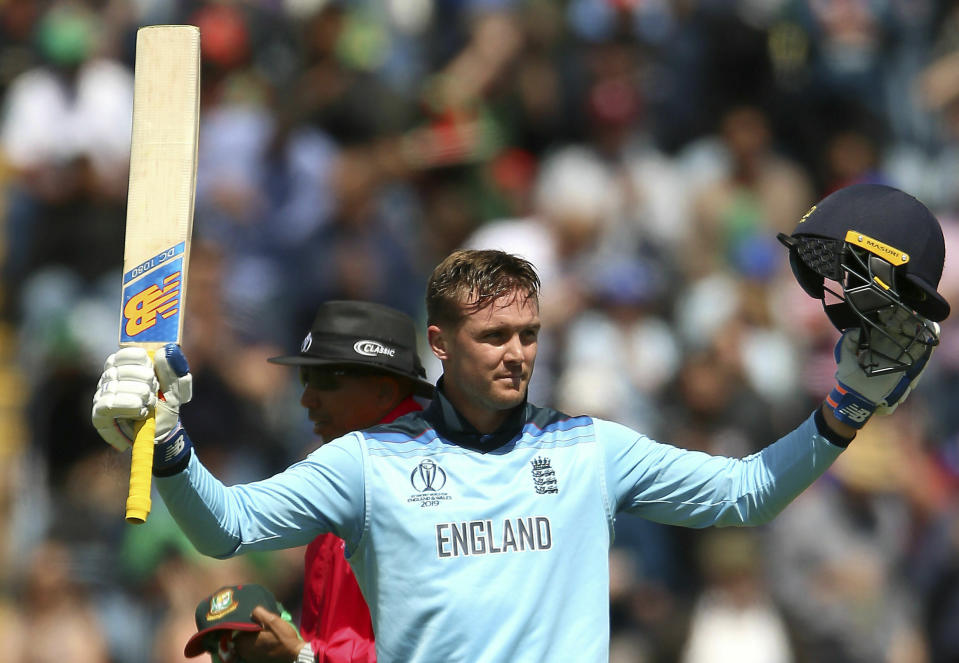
point(306, 654)
point(172, 455)
point(850, 407)
point(823, 428)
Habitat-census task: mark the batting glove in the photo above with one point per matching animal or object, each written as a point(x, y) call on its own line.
point(857, 396)
point(173, 445)
point(127, 392)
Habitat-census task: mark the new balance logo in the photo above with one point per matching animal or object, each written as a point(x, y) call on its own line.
point(142, 309)
point(855, 413)
point(151, 304)
point(173, 449)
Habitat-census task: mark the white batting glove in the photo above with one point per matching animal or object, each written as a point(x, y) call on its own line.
point(176, 386)
point(173, 445)
point(125, 395)
point(128, 390)
point(858, 396)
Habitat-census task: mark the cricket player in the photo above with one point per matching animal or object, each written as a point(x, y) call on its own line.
point(479, 528)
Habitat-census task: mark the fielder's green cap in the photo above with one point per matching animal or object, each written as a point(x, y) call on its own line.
point(228, 609)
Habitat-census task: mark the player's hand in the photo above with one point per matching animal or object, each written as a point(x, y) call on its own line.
point(278, 642)
point(125, 395)
point(857, 396)
point(176, 387)
point(127, 392)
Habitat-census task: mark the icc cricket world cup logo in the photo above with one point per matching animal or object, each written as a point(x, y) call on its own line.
point(428, 477)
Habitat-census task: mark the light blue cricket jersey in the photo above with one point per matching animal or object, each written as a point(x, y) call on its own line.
point(474, 548)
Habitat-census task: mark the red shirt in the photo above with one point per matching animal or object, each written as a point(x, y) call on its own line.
point(336, 619)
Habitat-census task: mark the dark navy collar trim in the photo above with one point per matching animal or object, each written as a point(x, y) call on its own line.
point(452, 425)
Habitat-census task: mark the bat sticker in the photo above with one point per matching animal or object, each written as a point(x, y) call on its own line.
point(151, 298)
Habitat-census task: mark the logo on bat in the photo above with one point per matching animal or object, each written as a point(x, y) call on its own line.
point(151, 304)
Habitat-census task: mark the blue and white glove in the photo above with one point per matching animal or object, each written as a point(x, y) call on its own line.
point(857, 396)
point(128, 390)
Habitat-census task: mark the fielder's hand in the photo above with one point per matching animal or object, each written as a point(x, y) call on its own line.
point(278, 642)
point(858, 396)
point(128, 390)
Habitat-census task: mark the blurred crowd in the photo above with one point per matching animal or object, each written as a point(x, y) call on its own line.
point(642, 153)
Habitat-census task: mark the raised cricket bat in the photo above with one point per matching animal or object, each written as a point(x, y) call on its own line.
point(156, 252)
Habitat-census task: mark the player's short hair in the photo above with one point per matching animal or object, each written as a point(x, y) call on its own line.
point(470, 280)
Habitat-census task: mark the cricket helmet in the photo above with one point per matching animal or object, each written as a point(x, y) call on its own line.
point(873, 253)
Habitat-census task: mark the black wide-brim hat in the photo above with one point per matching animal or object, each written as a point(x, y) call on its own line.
point(229, 609)
point(351, 333)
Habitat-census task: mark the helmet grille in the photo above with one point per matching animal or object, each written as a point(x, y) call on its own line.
point(868, 297)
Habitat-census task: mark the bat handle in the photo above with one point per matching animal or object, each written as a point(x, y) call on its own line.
point(141, 471)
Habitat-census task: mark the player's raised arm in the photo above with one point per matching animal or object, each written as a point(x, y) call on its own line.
point(874, 256)
point(287, 510)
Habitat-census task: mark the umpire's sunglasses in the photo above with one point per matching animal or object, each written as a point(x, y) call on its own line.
point(326, 378)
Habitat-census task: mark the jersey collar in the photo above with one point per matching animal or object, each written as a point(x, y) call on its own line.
point(453, 426)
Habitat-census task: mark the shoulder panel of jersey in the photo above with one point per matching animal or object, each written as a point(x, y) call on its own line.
point(413, 434)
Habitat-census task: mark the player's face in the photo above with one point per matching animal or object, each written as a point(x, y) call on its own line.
point(339, 401)
point(488, 359)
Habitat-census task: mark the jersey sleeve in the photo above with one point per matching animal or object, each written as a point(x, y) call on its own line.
point(676, 486)
point(323, 493)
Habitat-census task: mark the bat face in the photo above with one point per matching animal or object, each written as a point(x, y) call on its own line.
point(152, 299)
point(163, 160)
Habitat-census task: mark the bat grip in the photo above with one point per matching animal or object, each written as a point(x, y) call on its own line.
point(141, 471)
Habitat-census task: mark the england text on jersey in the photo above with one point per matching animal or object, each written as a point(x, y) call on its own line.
point(481, 537)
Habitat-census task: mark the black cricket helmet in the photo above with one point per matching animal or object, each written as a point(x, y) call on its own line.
point(873, 253)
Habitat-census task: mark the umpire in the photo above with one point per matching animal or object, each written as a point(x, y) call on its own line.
point(359, 367)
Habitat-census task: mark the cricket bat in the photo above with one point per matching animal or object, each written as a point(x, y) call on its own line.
point(159, 221)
